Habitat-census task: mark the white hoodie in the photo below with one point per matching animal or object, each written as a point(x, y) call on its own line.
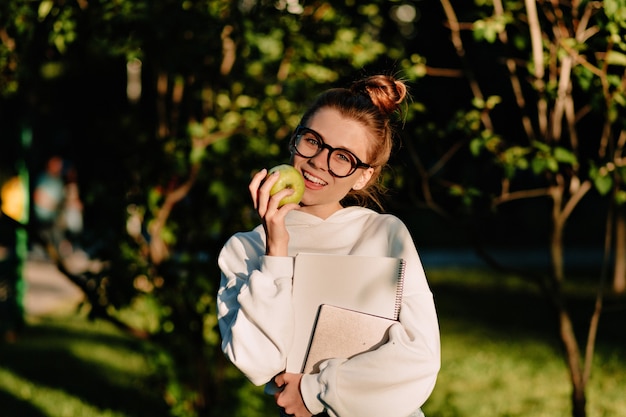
point(256, 316)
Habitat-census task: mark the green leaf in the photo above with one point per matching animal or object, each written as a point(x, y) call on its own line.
point(565, 156)
point(538, 165)
point(221, 191)
point(196, 130)
point(476, 146)
point(44, 9)
point(478, 102)
point(552, 164)
point(542, 147)
point(616, 10)
point(620, 197)
point(509, 171)
point(603, 184)
point(621, 171)
point(197, 154)
point(456, 190)
point(492, 101)
point(602, 179)
point(616, 58)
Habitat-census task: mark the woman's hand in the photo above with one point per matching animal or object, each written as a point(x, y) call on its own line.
point(289, 397)
point(273, 217)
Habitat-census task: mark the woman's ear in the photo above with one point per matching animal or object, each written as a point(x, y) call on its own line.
point(363, 179)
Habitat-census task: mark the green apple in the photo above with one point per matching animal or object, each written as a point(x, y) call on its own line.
point(289, 178)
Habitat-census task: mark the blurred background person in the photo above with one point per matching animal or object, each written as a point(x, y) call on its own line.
point(48, 197)
point(71, 221)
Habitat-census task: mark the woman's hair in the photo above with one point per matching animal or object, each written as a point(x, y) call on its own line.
point(372, 101)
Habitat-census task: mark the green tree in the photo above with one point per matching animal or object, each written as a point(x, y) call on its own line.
point(166, 107)
point(543, 117)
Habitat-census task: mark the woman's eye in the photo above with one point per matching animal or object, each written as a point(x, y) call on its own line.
point(343, 157)
point(312, 141)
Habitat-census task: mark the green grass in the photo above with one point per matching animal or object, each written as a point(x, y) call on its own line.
point(501, 358)
point(67, 366)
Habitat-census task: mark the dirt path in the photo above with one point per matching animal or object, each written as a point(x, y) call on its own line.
point(48, 291)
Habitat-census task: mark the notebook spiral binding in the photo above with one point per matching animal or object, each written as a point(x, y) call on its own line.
point(400, 290)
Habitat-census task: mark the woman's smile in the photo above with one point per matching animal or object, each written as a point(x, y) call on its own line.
point(313, 182)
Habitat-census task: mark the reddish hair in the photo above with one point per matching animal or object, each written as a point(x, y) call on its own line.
point(372, 101)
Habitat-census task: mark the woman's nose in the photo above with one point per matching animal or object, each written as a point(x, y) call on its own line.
point(320, 160)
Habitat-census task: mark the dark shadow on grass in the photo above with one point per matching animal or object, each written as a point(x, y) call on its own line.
point(15, 407)
point(50, 329)
point(42, 356)
point(516, 315)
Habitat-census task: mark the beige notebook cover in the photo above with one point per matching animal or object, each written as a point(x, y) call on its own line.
point(343, 333)
point(368, 284)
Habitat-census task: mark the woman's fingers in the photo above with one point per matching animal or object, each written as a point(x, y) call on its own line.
point(264, 202)
point(255, 183)
point(260, 187)
point(266, 186)
point(273, 216)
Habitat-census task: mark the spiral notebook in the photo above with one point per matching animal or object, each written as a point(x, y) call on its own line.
point(366, 284)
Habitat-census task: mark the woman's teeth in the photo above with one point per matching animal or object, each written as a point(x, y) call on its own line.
point(313, 179)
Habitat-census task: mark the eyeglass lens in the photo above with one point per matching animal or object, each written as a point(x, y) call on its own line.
point(341, 162)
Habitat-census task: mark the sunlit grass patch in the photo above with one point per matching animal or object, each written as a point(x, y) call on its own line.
point(44, 399)
point(68, 366)
point(501, 354)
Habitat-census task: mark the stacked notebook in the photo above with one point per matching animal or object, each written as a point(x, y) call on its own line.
point(343, 306)
point(343, 333)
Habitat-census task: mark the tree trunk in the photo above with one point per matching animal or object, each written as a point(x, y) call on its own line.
point(579, 402)
point(619, 274)
point(556, 237)
point(566, 329)
point(573, 358)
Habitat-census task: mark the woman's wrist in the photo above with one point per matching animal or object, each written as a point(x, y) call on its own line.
point(276, 249)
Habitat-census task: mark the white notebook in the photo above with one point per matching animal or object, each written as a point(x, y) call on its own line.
point(367, 284)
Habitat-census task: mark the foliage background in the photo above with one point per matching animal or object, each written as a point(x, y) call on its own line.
point(222, 85)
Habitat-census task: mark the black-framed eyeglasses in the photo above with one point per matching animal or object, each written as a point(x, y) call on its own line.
point(341, 162)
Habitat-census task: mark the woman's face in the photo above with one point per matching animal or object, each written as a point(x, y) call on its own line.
point(323, 191)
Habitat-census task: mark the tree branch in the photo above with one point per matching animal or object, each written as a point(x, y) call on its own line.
point(455, 33)
point(538, 70)
point(521, 194)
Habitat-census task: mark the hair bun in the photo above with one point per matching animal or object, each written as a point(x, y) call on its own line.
point(386, 92)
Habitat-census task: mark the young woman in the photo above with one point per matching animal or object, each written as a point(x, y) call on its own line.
point(343, 142)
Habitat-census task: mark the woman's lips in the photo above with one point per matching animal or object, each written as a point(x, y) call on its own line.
point(311, 181)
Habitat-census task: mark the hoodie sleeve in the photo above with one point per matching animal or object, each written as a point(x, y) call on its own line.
point(397, 378)
point(254, 308)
